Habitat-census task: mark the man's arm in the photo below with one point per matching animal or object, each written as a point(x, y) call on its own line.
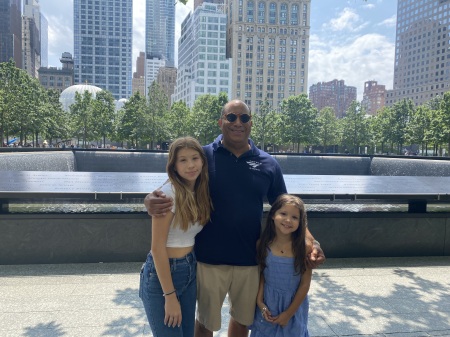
point(316, 256)
point(157, 203)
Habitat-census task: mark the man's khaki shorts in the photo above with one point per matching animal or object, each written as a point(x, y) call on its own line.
point(214, 282)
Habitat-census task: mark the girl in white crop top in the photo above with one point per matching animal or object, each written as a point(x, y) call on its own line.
point(168, 278)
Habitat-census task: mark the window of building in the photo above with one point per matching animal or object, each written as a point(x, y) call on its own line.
point(250, 11)
point(283, 14)
point(261, 12)
point(272, 13)
point(294, 14)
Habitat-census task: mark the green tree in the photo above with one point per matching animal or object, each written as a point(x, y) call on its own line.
point(383, 129)
point(14, 83)
point(103, 113)
point(434, 134)
point(37, 117)
point(299, 120)
point(178, 121)
point(401, 112)
point(260, 130)
point(157, 113)
point(55, 121)
point(355, 128)
point(274, 123)
point(204, 116)
point(81, 114)
point(328, 131)
point(130, 126)
point(445, 119)
point(418, 125)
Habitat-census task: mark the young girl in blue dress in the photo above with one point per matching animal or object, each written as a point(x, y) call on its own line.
point(282, 301)
point(168, 278)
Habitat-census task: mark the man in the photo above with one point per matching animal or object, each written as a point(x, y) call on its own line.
point(241, 177)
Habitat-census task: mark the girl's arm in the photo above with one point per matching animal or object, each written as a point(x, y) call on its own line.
point(260, 296)
point(160, 232)
point(302, 290)
point(260, 301)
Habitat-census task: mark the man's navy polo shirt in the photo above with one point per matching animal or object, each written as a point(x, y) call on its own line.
point(238, 187)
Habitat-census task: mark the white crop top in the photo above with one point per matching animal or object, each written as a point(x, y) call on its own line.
point(178, 237)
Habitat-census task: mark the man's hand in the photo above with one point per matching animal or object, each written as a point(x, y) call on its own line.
point(316, 257)
point(157, 204)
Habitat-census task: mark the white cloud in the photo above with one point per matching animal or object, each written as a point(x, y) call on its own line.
point(347, 20)
point(369, 6)
point(390, 22)
point(60, 38)
point(367, 57)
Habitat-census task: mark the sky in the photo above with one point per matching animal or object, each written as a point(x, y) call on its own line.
point(351, 40)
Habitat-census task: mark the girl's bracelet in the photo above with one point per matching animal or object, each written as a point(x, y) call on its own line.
point(169, 293)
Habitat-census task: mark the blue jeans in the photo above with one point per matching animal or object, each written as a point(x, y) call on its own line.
point(183, 271)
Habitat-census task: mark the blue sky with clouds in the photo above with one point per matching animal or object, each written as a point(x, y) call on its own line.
point(351, 40)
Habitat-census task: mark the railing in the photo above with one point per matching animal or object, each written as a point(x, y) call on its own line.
point(416, 191)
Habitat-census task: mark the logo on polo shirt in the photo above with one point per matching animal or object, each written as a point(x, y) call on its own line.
point(253, 165)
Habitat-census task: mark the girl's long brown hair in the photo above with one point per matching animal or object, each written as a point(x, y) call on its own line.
point(190, 207)
point(298, 237)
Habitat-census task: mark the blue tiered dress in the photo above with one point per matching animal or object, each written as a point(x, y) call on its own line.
point(281, 284)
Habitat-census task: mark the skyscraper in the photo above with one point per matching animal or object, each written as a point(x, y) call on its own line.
point(103, 37)
point(167, 78)
point(31, 37)
point(202, 64)
point(269, 44)
point(11, 31)
point(44, 41)
point(374, 97)
point(159, 37)
point(31, 9)
point(334, 94)
point(422, 67)
point(138, 81)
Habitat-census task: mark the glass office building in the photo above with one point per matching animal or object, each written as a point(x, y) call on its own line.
point(422, 51)
point(103, 37)
point(202, 64)
point(44, 41)
point(160, 30)
point(159, 38)
point(11, 31)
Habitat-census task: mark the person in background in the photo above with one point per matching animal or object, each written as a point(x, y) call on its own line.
point(168, 286)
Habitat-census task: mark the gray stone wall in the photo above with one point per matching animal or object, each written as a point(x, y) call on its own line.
point(115, 161)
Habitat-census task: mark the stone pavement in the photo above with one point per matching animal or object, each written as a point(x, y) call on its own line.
point(389, 297)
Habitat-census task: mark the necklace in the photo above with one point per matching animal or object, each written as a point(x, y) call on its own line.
point(282, 248)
